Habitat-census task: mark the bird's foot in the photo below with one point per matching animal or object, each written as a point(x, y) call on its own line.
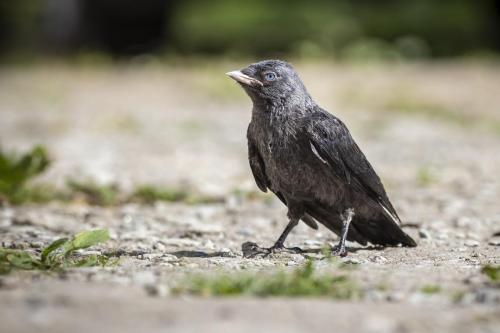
point(339, 251)
point(280, 248)
point(252, 250)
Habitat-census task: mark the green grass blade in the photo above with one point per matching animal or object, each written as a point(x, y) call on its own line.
point(52, 247)
point(87, 239)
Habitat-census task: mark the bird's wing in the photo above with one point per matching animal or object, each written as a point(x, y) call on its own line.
point(332, 143)
point(257, 166)
point(258, 171)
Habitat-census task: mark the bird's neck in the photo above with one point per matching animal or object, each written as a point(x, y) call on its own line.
point(283, 109)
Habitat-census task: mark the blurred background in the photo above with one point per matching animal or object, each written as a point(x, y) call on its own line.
point(122, 92)
point(389, 29)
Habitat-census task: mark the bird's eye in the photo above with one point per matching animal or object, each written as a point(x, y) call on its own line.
point(270, 76)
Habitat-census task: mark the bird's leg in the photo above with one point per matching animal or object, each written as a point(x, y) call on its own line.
point(280, 243)
point(346, 218)
point(251, 250)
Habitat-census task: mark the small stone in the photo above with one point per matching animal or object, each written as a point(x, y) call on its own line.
point(291, 263)
point(151, 256)
point(297, 257)
point(313, 242)
point(314, 256)
point(157, 290)
point(471, 235)
point(208, 244)
point(495, 241)
point(442, 236)
point(395, 297)
point(471, 243)
point(226, 252)
point(379, 259)
point(351, 261)
point(37, 245)
point(424, 234)
point(159, 246)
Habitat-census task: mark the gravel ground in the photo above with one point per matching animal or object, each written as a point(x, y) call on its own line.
point(432, 131)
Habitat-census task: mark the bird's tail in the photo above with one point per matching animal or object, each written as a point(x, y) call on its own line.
point(383, 231)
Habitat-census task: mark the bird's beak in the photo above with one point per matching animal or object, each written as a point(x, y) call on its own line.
point(245, 79)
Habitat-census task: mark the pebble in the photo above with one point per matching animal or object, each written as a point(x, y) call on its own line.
point(208, 244)
point(395, 297)
point(297, 258)
point(442, 236)
point(313, 242)
point(159, 246)
point(151, 256)
point(495, 241)
point(471, 243)
point(352, 261)
point(157, 290)
point(424, 234)
point(37, 245)
point(379, 259)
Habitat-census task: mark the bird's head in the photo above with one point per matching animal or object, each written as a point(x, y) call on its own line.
point(271, 81)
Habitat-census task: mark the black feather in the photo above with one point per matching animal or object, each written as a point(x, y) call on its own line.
point(308, 158)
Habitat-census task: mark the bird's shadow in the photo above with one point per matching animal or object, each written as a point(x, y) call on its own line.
point(252, 250)
point(257, 251)
point(201, 254)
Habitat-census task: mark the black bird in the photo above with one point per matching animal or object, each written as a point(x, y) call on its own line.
point(308, 159)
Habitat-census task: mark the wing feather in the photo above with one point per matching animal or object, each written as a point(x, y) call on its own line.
point(331, 142)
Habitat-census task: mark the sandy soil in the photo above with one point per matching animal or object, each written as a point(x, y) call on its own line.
point(431, 131)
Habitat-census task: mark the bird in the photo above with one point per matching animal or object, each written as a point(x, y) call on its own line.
point(307, 157)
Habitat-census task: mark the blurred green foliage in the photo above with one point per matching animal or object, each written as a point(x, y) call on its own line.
point(93, 193)
point(16, 171)
point(387, 29)
point(302, 282)
point(492, 272)
point(149, 194)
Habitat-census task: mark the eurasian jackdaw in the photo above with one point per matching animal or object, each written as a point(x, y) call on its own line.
point(308, 159)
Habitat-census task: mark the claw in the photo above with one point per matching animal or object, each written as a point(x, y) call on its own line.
point(339, 251)
point(251, 250)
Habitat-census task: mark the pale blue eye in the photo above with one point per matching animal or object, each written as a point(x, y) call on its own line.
point(270, 76)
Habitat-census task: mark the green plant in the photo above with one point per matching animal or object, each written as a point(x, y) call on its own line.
point(149, 194)
point(94, 194)
point(59, 255)
point(16, 171)
point(301, 282)
point(425, 176)
point(492, 272)
point(430, 289)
